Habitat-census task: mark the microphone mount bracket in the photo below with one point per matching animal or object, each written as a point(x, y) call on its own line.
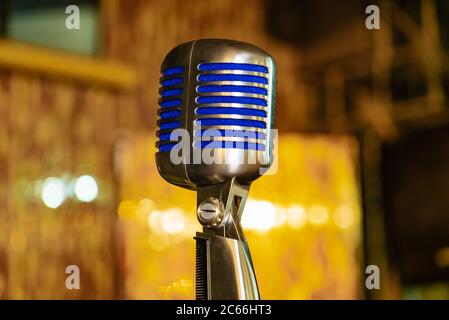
point(224, 269)
point(223, 204)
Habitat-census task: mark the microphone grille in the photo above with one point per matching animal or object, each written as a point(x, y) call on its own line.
point(170, 106)
point(232, 99)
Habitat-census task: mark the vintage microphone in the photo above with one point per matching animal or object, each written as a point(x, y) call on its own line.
point(216, 115)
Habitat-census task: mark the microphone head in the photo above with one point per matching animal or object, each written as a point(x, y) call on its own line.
point(219, 95)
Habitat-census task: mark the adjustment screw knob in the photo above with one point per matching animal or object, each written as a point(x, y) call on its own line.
point(210, 212)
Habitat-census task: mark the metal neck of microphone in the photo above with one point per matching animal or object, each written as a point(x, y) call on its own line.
point(224, 270)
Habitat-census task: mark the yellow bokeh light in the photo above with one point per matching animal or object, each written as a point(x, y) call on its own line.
point(154, 221)
point(144, 208)
point(344, 217)
point(281, 216)
point(296, 216)
point(127, 209)
point(318, 215)
point(173, 221)
point(259, 215)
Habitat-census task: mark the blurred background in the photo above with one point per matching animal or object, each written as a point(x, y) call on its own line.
point(363, 149)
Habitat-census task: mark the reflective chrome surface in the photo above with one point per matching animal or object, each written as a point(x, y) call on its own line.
point(230, 273)
point(193, 87)
point(190, 56)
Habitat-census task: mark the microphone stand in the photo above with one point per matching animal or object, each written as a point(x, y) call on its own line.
point(224, 270)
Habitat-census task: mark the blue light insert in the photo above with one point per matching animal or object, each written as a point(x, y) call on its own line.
point(231, 122)
point(231, 88)
point(170, 125)
point(232, 77)
point(166, 147)
point(170, 103)
point(171, 92)
point(172, 81)
point(172, 71)
point(170, 114)
point(227, 110)
point(231, 99)
point(164, 136)
point(232, 66)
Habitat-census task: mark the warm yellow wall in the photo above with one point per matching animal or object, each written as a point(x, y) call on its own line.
point(311, 249)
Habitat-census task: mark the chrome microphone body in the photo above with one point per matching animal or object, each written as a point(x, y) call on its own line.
point(217, 100)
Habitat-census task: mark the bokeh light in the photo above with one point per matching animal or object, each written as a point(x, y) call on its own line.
point(296, 216)
point(173, 221)
point(318, 215)
point(259, 215)
point(86, 188)
point(155, 221)
point(53, 192)
point(344, 217)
